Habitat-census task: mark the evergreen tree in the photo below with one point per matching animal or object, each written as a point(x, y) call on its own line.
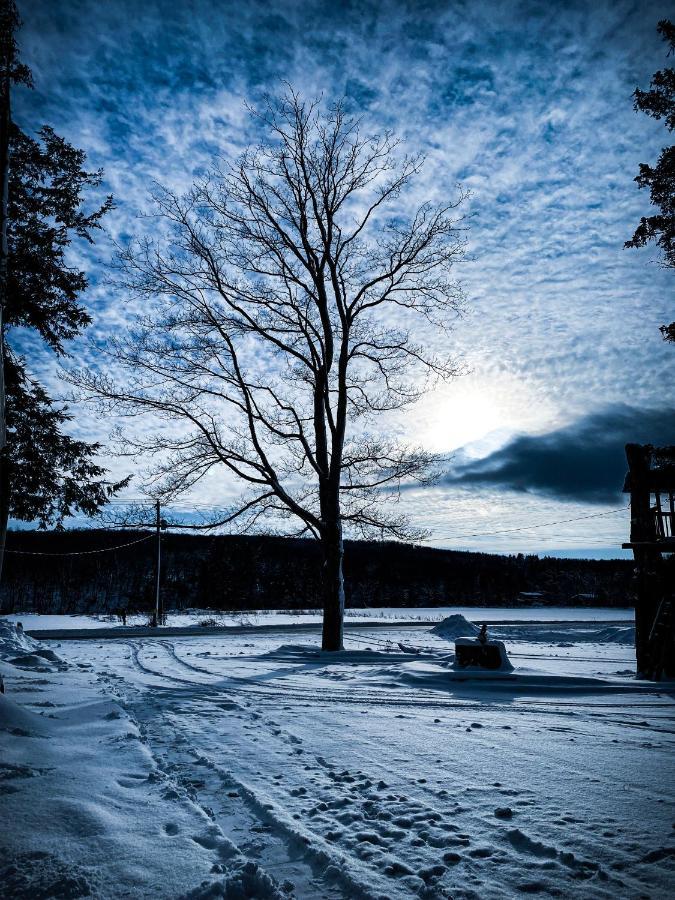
point(659, 102)
point(47, 181)
point(49, 475)
point(53, 475)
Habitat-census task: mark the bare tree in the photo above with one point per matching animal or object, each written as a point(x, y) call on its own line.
point(280, 303)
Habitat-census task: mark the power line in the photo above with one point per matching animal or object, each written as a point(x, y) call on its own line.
point(454, 537)
point(550, 540)
point(81, 552)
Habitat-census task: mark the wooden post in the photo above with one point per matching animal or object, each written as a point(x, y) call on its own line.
point(158, 607)
point(642, 526)
point(642, 531)
point(652, 471)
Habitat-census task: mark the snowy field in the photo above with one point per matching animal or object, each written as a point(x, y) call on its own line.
point(190, 618)
point(252, 765)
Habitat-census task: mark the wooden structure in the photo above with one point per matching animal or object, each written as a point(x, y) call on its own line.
point(651, 484)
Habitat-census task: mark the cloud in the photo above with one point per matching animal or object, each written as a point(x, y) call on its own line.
point(584, 461)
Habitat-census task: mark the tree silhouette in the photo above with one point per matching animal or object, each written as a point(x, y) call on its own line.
point(659, 102)
point(11, 72)
point(46, 474)
point(279, 308)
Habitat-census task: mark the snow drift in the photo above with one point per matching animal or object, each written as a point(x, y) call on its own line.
point(455, 626)
point(13, 640)
point(20, 650)
point(19, 721)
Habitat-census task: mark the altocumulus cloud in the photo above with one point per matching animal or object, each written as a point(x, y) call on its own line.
point(583, 461)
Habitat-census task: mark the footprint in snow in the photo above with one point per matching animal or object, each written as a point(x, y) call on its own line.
point(396, 869)
point(504, 812)
point(214, 840)
point(171, 828)
point(431, 873)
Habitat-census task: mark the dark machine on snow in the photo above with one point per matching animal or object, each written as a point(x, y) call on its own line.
point(481, 653)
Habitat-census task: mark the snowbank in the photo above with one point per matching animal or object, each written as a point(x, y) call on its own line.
point(22, 651)
point(19, 721)
point(576, 633)
point(13, 640)
point(455, 626)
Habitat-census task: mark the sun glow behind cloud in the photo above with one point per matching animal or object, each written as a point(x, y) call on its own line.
point(478, 414)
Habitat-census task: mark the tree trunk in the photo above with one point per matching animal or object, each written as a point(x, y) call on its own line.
point(333, 587)
point(4, 504)
point(5, 122)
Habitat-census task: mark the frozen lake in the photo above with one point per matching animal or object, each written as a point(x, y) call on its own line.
point(32, 621)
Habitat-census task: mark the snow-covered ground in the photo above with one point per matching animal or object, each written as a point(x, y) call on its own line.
point(252, 765)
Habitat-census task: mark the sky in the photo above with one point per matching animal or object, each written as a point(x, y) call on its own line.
point(526, 105)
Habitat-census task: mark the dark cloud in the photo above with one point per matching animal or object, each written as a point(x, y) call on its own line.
point(584, 461)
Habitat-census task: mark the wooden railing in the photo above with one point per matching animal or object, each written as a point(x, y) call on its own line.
point(664, 516)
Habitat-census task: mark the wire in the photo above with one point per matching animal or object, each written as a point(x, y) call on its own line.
point(454, 537)
point(81, 552)
point(551, 541)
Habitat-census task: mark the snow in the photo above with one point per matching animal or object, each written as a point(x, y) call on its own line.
point(14, 640)
point(256, 765)
point(18, 649)
point(191, 617)
point(455, 626)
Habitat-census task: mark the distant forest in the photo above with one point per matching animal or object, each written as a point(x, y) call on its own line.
point(262, 572)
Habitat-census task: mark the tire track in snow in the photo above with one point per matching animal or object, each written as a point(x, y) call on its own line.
point(254, 691)
point(202, 691)
point(251, 687)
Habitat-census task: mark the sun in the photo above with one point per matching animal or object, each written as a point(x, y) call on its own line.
point(484, 412)
point(460, 418)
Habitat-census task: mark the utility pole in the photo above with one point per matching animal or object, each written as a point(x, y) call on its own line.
point(159, 612)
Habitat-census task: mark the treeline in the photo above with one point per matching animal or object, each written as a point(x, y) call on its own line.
point(262, 572)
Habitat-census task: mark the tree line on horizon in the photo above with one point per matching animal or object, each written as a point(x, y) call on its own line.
point(247, 572)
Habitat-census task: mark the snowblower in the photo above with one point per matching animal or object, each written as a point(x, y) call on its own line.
point(481, 653)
